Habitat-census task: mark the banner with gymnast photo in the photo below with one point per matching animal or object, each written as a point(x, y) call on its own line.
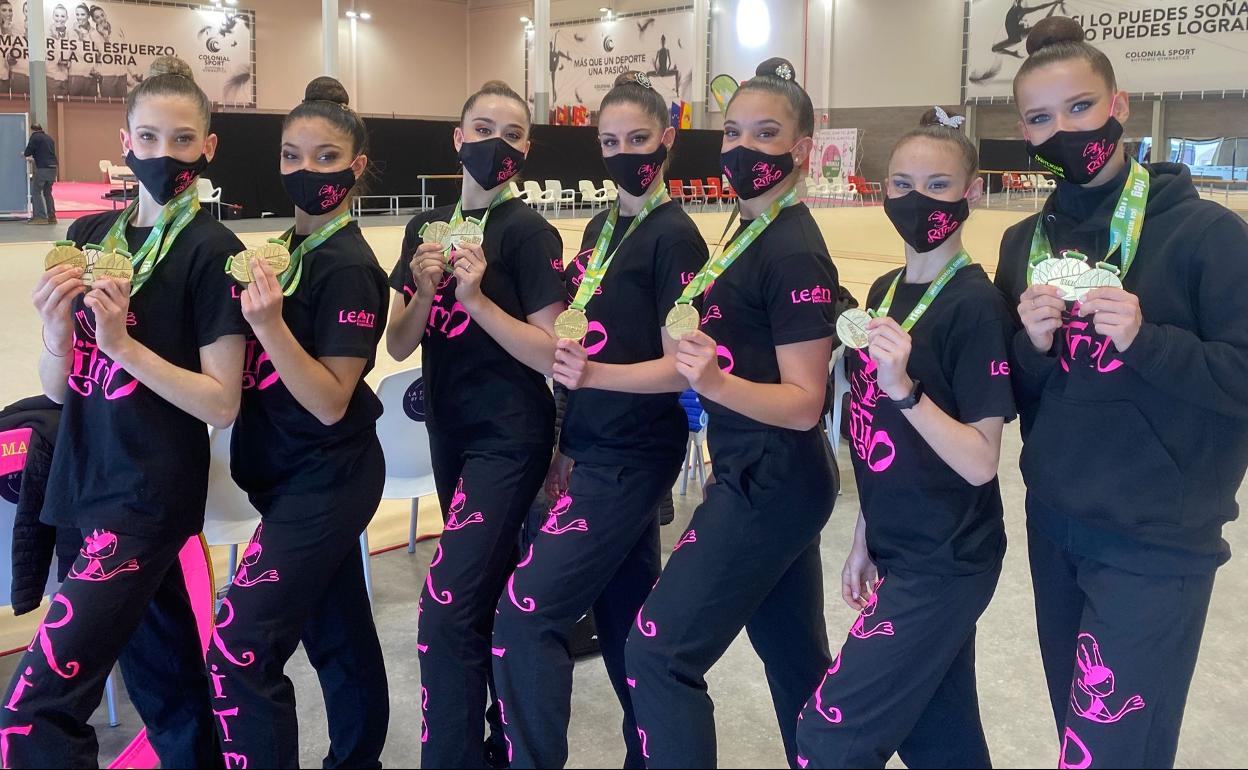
point(1155, 45)
point(584, 58)
point(102, 49)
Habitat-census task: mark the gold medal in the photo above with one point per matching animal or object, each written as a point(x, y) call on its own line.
point(65, 253)
point(112, 264)
point(851, 328)
point(435, 232)
point(465, 232)
point(571, 324)
point(273, 254)
point(682, 319)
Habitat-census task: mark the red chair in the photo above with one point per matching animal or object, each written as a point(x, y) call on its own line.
point(726, 193)
point(697, 193)
point(676, 189)
point(713, 191)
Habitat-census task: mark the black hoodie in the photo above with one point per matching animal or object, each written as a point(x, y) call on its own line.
point(1134, 457)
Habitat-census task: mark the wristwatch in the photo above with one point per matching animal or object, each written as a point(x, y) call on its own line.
point(909, 401)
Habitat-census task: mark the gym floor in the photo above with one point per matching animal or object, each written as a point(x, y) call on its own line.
point(1012, 695)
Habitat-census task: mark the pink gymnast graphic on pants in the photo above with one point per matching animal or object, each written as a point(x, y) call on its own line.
point(223, 621)
point(561, 508)
point(859, 630)
point(90, 370)
point(4, 741)
point(1075, 754)
point(453, 522)
point(44, 640)
point(874, 447)
point(690, 536)
point(1094, 682)
point(98, 547)
point(831, 714)
point(645, 749)
point(244, 578)
point(526, 604)
point(441, 597)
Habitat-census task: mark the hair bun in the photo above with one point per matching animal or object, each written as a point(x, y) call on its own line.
point(497, 85)
point(326, 89)
point(170, 65)
point(776, 67)
point(1052, 31)
point(633, 77)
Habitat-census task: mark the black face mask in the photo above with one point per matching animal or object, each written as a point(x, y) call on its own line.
point(165, 177)
point(923, 221)
point(491, 162)
point(318, 192)
point(753, 173)
point(1077, 156)
point(635, 172)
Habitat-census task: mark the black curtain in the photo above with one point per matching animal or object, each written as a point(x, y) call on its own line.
point(1004, 155)
point(246, 164)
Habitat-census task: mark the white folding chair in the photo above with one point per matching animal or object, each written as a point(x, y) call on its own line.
point(517, 193)
point(558, 195)
point(840, 386)
point(613, 192)
point(208, 193)
point(535, 197)
point(591, 195)
point(405, 442)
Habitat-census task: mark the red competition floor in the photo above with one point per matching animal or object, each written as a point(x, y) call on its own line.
point(76, 199)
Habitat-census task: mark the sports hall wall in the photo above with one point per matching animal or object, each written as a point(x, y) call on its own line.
point(891, 59)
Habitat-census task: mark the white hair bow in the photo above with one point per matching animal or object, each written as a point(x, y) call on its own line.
point(955, 122)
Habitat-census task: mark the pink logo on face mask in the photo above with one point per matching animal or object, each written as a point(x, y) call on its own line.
point(766, 175)
point(90, 370)
point(507, 170)
point(874, 447)
point(1098, 154)
point(182, 181)
point(647, 173)
point(331, 195)
point(942, 226)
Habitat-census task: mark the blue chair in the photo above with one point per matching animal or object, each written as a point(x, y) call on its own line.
point(695, 463)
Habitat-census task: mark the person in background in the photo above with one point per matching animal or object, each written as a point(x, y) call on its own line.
point(41, 150)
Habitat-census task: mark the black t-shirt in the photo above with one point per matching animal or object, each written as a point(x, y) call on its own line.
point(126, 459)
point(626, 317)
point(781, 290)
point(921, 515)
point(476, 394)
point(339, 310)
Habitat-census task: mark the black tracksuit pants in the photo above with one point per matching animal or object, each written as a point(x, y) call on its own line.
point(904, 681)
point(599, 549)
point(124, 600)
point(302, 579)
point(750, 558)
point(485, 495)
point(1119, 651)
